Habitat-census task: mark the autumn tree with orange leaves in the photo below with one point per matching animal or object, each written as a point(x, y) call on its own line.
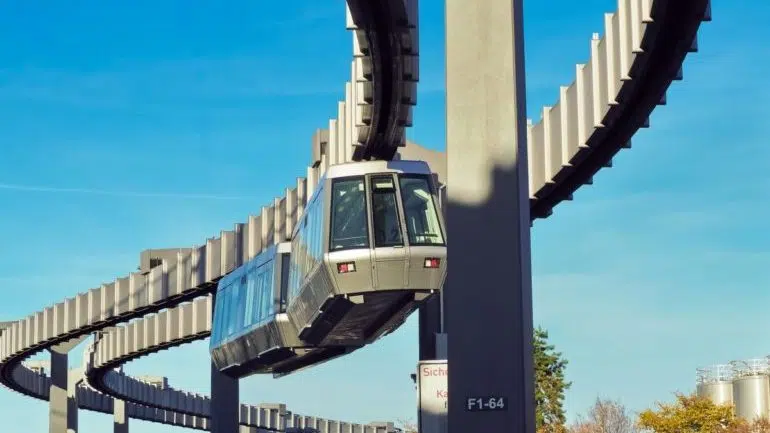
point(693, 414)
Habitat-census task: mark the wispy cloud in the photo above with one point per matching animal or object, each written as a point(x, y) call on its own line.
point(160, 85)
point(93, 191)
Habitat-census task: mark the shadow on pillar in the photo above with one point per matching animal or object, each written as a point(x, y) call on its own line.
point(63, 405)
point(493, 307)
point(225, 402)
point(429, 326)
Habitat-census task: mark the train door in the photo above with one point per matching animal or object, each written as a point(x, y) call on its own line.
point(389, 249)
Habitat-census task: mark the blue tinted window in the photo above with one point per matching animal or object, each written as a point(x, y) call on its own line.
point(250, 297)
point(231, 306)
point(245, 299)
point(216, 326)
point(307, 246)
point(262, 297)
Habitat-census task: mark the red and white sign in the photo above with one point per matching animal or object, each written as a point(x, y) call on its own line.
point(432, 396)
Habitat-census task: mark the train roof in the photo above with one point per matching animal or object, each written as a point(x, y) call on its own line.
point(365, 167)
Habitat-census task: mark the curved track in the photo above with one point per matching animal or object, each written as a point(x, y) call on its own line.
point(630, 68)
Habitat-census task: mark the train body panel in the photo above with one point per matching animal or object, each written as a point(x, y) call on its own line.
point(368, 249)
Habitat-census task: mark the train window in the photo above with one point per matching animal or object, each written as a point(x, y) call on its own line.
point(251, 296)
point(232, 310)
point(387, 230)
point(218, 313)
point(285, 259)
point(349, 226)
point(422, 223)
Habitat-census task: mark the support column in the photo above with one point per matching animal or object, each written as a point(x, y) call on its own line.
point(63, 407)
point(120, 423)
point(430, 325)
point(225, 402)
point(58, 400)
point(490, 360)
point(430, 313)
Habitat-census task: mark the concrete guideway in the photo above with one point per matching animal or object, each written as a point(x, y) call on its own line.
point(626, 77)
point(384, 78)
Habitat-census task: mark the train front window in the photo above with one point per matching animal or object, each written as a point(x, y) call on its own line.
point(349, 227)
point(387, 232)
point(422, 223)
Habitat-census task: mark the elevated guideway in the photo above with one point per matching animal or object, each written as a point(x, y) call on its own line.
point(627, 75)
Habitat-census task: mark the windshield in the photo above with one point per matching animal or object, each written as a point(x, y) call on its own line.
point(349, 225)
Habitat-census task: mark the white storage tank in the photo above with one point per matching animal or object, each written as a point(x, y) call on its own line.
point(751, 389)
point(716, 384)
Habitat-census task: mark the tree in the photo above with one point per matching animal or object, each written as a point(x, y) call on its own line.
point(407, 426)
point(690, 414)
point(606, 416)
point(758, 426)
point(550, 384)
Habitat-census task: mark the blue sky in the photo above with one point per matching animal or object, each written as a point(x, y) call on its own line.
point(659, 267)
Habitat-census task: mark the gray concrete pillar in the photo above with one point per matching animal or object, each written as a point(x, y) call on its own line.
point(429, 323)
point(58, 401)
point(490, 361)
point(63, 406)
point(120, 414)
point(225, 402)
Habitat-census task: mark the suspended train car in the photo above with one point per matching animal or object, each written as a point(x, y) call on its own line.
point(251, 332)
point(368, 249)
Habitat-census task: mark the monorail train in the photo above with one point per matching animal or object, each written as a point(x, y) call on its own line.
point(368, 249)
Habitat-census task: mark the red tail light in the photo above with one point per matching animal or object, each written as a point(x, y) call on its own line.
point(344, 268)
point(432, 262)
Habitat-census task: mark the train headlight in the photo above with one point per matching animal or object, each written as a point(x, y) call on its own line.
point(432, 262)
point(344, 268)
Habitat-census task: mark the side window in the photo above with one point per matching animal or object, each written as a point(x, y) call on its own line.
point(248, 317)
point(349, 225)
point(261, 291)
point(217, 325)
point(240, 302)
point(226, 322)
point(422, 221)
point(232, 315)
point(285, 280)
point(319, 219)
point(386, 227)
point(293, 271)
point(269, 273)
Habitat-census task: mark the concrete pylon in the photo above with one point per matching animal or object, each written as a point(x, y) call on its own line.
point(120, 423)
point(225, 398)
point(63, 406)
point(225, 403)
point(490, 386)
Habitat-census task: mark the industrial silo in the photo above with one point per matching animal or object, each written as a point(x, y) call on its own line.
point(751, 388)
point(716, 383)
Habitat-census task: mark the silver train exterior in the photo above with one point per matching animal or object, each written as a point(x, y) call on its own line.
point(369, 248)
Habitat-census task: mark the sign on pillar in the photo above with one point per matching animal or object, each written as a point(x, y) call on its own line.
point(432, 393)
